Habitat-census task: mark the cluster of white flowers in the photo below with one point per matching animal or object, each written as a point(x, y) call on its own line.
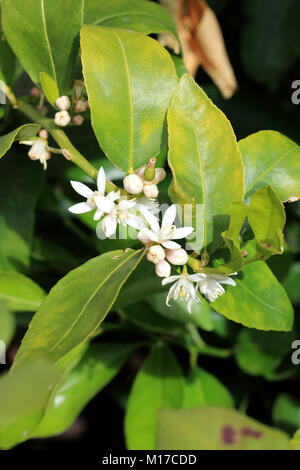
point(137, 209)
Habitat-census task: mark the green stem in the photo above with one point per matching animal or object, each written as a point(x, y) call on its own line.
point(63, 141)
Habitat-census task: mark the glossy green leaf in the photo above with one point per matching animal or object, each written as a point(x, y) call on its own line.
point(260, 353)
point(138, 15)
point(266, 216)
point(272, 159)
point(99, 365)
point(19, 292)
point(49, 87)
point(295, 442)
point(24, 394)
point(231, 237)
point(133, 91)
point(258, 301)
point(7, 327)
point(21, 182)
point(159, 384)
point(204, 389)
point(286, 412)
point(7, 60)
point(205, 161)
point(291, 282)
point(21, 133)
point(210, 428)
point(200, 316)
point(77, 305)
point(44, 37)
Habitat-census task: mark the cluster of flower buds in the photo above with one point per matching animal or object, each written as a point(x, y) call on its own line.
point(145, 180)
point(74, 107)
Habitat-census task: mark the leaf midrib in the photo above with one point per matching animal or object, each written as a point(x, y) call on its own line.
point(47, 40)
point(116, 15)
point(202, 184)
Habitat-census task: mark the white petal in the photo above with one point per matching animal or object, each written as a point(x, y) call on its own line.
point(182, 232)
point(197, 277)
point(151, 219)
point(27, 142)
point(81, 189)
point(171, 245)
point(101, 181)
point(80, 208)
point(171, 294)
point(153, 237)
point(125, 205)
point(135, 222)
point(169, 217)
point(170, 279)
point(109, 225)
point(105, 204)
point(98, 214)
point(113, 195)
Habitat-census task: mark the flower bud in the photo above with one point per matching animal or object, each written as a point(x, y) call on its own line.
point(160, 175)
point(62, 118)
point(43, 134)
point(77, 120)
point(133, 184)
point(177, 257)
point(155, 254)
point(143, 237)
point(35, 92)
point(163, 269)
point(150, 190)
point(80, 106)
point(63, 103)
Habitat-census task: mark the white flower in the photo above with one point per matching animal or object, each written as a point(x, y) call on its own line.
point(39, 150)
point(163, 269)
point(143, 203)
point(121, 215)
point(63, 103)
point(155, 254)
point(177, 257)
point(62, 118)
point(183, 288)
point(167, 232)
point(150, 191)
point(133, 184)
point(211, 287)
point(94, 199)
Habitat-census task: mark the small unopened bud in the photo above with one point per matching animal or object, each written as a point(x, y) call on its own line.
point(43, 134)
point(144, 237)
point(35, 92)
point(77, 120)
point(177, 257)
point(163, 269)
point(80, 106)
point(150, 190)
point(78, 88)
point(62, 118)
point(160, 175)
point(63, 103)
point(67, 154)
point(244, 254)
point(133, 184)
point(155, 254)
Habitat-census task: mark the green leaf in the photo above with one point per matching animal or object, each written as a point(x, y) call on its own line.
point(21, 133)
point(205, 161)
point(19, 292)
point(7, 327)
point(265, 304)
point(142, 16)
point(286, 413)
point(159, 384)
point(231, 237)
point(291, 282)
point(44, 37)
point(99, 365)
point(24, 394)
point(272, 159)
point(7, 60)
point(21, 182)
point(266, 216)
point(50, 88)
point(295, 442)
point(260, 353)
point(204, 389)
point(210, 428)
point(77, 305)
point(133, 91)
